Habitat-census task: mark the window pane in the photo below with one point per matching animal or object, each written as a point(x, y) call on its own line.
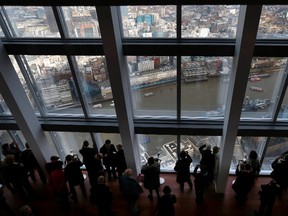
point(163, 147)
point(1, 32)
point(191, 144)
point(81, 22)
point(32, 21)
point(54, 84)
point(266, 77)
point(4, 110)
point(153, 85)
point(243, 146)
point(95, 83)
point(276, 147)
point(149, 21)
point(273, 22)
point(204, 86)
point(209, 21)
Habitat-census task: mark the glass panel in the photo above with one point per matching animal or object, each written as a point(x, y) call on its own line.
point(81, 22)
point(209, 21)
point(276, 147)
point(191, 144)
point(163, 147)
point(32, 21)
point(153, 85)
point(4, 110)
point(265, 79)
point(95, 83)
point(204, 86)
point(243, 147)
point(19, 138)
point(149, 21)
point(273, 23)
point(71, 142)
point(1, 32)
point(54, 84)
point(24, 84)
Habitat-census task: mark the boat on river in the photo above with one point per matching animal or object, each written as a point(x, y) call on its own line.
point(254, 88)
point(254, 79)
point(148, 94)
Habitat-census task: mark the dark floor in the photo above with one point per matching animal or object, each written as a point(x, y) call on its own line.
point(44, 204)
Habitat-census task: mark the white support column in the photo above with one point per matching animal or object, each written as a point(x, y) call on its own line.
point(117, 67)
point(248, 21)
point(20, 107)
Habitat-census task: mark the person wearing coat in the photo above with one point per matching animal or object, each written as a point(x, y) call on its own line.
point(108, 151)
point(151, 172)
point(182, 167)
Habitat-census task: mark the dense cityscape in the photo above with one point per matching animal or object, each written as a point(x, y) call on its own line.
point(52, 78)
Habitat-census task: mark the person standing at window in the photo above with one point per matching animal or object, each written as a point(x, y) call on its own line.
point(88, 155)
point(151, 172)
point(120, 160)
point(108, 151)
point(182, 167)
point(165, 205)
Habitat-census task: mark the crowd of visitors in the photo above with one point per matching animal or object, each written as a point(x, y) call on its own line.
point(18, 167)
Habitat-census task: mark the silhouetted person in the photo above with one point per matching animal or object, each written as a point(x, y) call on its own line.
point(254, 162)
point(88, 155)
point(74, 176)
point(165, 205)
point(268, 194)
point(151, 172)
point(97, 169)
point(182, 168)
point(280, 172)
point(4, 205)
point(244, 181)
point(108, 151)
point(215, 152)
point(101, 194)
point(120, 160)
point(201, 182)
point(207, 159)
point(30, 163)
point(58, 184)
point(15, 175)
point(50, 166)
point(131, 190)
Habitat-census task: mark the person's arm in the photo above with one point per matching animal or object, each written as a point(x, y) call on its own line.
point(202, 147)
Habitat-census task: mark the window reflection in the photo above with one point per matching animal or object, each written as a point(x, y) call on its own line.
point(273, 23)
point(209, 21)
point(96, 85)
point(265, 78)
point(81, 22)
point(32, 21)
point(204, 86)
point(153, 85)
point(149, 21)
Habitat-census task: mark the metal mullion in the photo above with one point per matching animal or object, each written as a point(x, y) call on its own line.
point(178, 66)
point(5, 23)
point(31, 85)
point(75, 75)
point(282, 95)
point(264, 151)
point(59, 20)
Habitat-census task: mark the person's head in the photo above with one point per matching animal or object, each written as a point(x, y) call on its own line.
point(85, 143)
point(107, 142)
point(151, 160)
point(166, 190)
point(58, 164)
point(9, 159)
point(54, 158)
point(208, 147)
point(99, 156)
point(25, 211)
point(27, 145)
point(182, 154)
point(128, 172)
point(215, 149)
point(253, 155)
point(101, 179)
point(5, 146)
point(119, 147)
point(69, 158)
